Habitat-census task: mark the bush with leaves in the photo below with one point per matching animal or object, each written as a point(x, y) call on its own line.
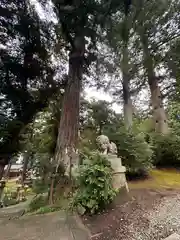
point(9, 197)
point(135, 152)
point(94, 184)
point(39, 186)
point(166, 150)
point(37, 202)
point(7, 201)
point(47, 209)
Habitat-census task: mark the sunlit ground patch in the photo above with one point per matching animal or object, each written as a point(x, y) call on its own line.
point(158, 179)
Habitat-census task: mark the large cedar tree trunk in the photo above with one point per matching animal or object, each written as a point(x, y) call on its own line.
point(69, 123)
point(128, 112)
point(159, 115)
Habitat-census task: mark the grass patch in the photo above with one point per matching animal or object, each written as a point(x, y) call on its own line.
point(47, 209)
point(39, 205)
point(159, 179)
point(11, 185)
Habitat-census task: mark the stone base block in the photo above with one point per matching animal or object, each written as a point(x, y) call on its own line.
point(119, 181)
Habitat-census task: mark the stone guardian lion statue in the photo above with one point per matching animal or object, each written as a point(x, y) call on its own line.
point(105, 146)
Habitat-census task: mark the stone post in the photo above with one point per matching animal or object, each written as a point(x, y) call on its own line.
point(2, 186)
point(18, 199)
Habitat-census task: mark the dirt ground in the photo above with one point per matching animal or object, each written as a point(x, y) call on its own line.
point(52, 226)
point(146, 214)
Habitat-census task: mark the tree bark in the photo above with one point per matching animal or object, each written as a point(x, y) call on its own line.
point(159, 115)
point(6, 174)
point(51, 192)
point(25, 165)
point(128, 111)
point(1, 170)
point(69, 123)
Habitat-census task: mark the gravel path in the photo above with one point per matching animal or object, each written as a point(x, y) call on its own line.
point(162, 220)
point(150, 215)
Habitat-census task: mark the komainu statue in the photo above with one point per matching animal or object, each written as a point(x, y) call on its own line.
point(110, 149)
point(103, 143)
point(105, 146)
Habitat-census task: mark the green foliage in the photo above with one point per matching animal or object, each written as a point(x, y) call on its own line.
point(100, 113)
point(146, 125)
point(39, 205)
point(39, 186)
point(96, 117)
point(47, 209)
point(9, 201)
point(166, 150)
point(174, 116)
point(88, 139)
point(134, 151)
point(37, 202)
point(39, 139)
point(25, 72)
point(94, 183)
point(9, 197)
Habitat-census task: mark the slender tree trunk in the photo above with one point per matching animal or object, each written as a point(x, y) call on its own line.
point(100, 129)
point(6, 174)
point(69, 123)
point(51, 192)
point(159, 115)
point(44, 175)
point(2, 166)
point(128, 111)
point(25, 165)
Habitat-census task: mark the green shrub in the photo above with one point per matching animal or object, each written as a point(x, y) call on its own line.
point(166, 150)
point(9, 201)
point(38, 201)
point(135, 152)
point(47, 209)
point(39, 186)
point(9, 197)
point(14, 194)
point(94, 183)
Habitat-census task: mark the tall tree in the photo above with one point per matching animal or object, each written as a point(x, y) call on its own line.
point(79, 20)
point(26, 71)
point(159, 115)
point(152, 38)
point(128, 111)
point(121, 40)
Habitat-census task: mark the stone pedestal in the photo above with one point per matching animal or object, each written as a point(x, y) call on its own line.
point(173, 237)
point(119, 176)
